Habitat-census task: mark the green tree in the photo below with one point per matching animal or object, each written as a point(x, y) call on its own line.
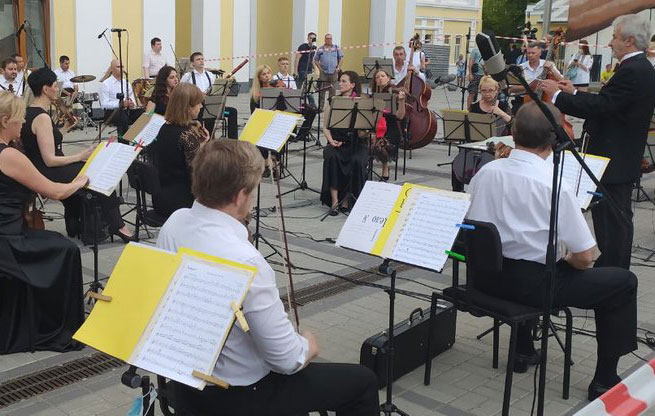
point(504, 17)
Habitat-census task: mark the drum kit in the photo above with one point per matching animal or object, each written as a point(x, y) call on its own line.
point(64, 106)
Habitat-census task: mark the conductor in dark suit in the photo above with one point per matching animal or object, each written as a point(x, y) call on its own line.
point(617, 121)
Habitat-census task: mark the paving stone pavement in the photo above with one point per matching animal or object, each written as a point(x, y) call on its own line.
point(463, 382)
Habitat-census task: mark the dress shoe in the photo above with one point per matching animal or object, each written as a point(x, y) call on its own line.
point(596, 390)
point(523, 361)
point(126, 238)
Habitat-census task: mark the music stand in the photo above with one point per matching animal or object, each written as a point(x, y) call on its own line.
point(354, 114)
point(213, 109)
point(372, 63)
point(225, 86)
point(312, 86)
point(283, 99)
point(464, 126)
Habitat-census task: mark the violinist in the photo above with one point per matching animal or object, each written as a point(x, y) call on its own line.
point(344, 157)
point(489, 103)
point(164, 83)
point(386, 147)
point(535, 66)
point(263, 79)
point(284, 76)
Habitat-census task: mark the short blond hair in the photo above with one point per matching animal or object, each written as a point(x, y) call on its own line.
point(11, 106)
point(182, 98)
point(222, 168)
point(488, 80)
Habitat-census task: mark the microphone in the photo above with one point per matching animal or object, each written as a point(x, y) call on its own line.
point(115, 29)
point(103, 32)
point(21, 28)
point(442, 79)
point(494, 62)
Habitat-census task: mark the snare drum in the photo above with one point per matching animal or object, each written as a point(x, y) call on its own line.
point(140, 86)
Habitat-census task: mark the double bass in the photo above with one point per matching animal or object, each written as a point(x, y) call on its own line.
point(547, 74)
point(421, 122)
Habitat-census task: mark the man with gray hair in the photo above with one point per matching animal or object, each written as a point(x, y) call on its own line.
point(617, 121)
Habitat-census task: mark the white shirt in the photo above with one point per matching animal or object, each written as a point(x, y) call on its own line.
point(272, 343)
point(202, 81)
point(514, 194)
point(399, 75)
point(108, 90)
point(531, 74)
point(65, 77)
point(582, 76)
point(154, 62)
point(289, 81)
point(16, 86)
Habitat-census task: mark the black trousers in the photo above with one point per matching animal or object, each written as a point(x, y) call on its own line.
point(123, 119)
point(613, 233)
point(610, 291)
point(348, 389)
point(230, 115)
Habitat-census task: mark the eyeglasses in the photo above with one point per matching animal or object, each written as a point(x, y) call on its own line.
point(487, 91)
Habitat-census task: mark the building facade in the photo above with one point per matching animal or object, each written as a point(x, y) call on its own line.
point(225, 31)
point(447, 22)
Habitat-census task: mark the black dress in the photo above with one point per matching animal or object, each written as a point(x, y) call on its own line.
point(503, 129)
point(160, 104)
point(172, 153)
point(41, 298)
point(64, 174)
point(344, 167)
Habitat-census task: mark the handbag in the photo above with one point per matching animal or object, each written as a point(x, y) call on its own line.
point(572, 71)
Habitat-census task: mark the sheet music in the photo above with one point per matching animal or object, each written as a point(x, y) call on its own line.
point(192, 321)
point(427, 227)
point(149, 132)
point(578, 179)
point(109, 166)
point(368, 216)
point(278, 131)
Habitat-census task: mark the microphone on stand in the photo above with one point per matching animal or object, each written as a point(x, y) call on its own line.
point(115, 29)
point(21, 28)
point(442, 79)
point(494, 62)
point(103, 32)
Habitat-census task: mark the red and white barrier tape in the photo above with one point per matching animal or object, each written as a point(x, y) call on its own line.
point(631, 397)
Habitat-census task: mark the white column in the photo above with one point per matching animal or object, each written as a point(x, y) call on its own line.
point(241, 37)
point(305, 20)
point(94, 55)
point(159, 22)
point(334, 22)
point(206, 29)
point(410, 20)
point(253, 37)
point(383, 27)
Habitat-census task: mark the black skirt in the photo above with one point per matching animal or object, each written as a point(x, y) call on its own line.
point(344, 168)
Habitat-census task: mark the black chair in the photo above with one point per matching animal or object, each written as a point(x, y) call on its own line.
point(144, 178)
point(484, 266)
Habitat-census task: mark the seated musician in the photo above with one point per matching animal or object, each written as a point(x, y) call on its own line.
point(164, 83)
point(40, 271)
point(42, 142)
point(514, 193)
point(263, 79)
point(270, 369)
point(109, 91)
point(9, 81)
point(386, 148)
point(489, 103)
point(174, 148)
point(64, 74)
point(344, 157)
point(283, 75)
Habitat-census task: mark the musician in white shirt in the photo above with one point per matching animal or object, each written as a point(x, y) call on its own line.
point(283, 75)
point(108, 97)
point(198, 76)
point(9, 82)
point(64, 75)
point(154, 59)
point(514, 194)
point(269, 369)
point(534, 67)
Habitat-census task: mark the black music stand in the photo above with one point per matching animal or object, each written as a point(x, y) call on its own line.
point(372, 64)
point(225, 86)
point(313, 86)
point(355, 114)
point(214, 109)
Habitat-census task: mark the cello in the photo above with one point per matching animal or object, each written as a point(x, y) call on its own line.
point(547, 74)
point(421, 122)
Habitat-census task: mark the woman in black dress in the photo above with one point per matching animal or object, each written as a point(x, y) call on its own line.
point(174, 148)
point(42, 142)
point(489, 103)
point(344, 157)
point(386, 146)
point(41, 298)
point(164, 83)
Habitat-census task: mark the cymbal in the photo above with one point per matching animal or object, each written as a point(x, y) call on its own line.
point(83, 78)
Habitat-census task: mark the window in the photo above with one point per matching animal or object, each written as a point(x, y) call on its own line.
point(37, 14)
point(446, 39)
point(458, 47)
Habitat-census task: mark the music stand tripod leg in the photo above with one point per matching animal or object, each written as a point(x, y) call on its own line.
point(257, 236)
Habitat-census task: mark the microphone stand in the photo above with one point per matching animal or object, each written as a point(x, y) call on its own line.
point(28, 30)
point(466, 65)
point(563, 142)
point(104, 35)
